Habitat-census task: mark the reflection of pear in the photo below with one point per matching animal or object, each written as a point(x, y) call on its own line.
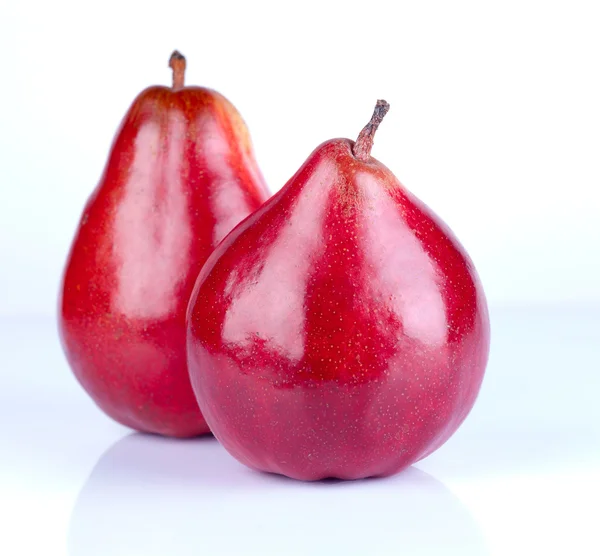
point(149, 495)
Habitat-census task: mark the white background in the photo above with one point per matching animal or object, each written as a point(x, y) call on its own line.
point(494, 122)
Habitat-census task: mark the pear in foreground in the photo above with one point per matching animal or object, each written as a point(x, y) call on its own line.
point(341, 330)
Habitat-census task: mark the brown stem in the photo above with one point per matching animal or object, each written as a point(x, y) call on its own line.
point(177, 64)
point(363, 145)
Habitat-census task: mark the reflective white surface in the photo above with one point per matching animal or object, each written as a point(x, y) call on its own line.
point(521, 476)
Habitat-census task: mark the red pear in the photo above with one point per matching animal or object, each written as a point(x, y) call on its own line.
point(341, 330)
point(180, 175)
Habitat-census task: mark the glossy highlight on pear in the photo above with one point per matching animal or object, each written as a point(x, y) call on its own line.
point(180, 175)
point(341, 330)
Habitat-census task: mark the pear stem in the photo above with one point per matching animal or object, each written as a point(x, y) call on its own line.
point(177, 64)
point(363, 145)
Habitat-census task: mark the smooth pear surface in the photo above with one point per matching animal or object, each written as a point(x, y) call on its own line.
point(339, 331)
point(180, 175)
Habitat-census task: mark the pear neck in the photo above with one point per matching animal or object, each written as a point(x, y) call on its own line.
point(364, 143)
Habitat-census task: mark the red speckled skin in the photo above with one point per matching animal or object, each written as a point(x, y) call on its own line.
point(339, 331)
point(180, 175)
